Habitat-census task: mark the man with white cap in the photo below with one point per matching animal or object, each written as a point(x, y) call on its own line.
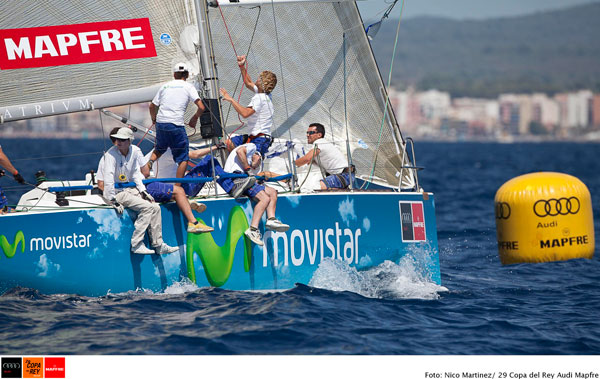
point(122, 166)
point(167, 111)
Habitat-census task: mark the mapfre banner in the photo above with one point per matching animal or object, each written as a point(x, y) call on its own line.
point(75, 44)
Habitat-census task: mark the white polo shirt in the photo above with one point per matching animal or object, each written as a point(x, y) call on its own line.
point(115, 164)
point(332, 160)
point(172, 99)
point(234, 164)
point(262, 119)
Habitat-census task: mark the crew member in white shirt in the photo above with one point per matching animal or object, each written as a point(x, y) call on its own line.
point(259, 113)
point(167, 111)
point(246, 159)
point(162, 192)
point(328, 157)
point(122, 166)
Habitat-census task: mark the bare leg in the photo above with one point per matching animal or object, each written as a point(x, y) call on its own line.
point(154, 156)
point(272, 193)
point(323, 185)
point(182, 202)
point(229, 144)
point(259, 209)
point(181, 171)
point(199, 153)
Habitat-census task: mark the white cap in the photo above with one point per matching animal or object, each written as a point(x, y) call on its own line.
point(123, 133)
point(180, 67)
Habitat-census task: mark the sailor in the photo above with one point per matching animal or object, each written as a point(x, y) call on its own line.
point(337, 173)
point(167, 111)
point(162, 192)
point(5, 162)
point(259, 112)
point(247, 159)
point(121, 166)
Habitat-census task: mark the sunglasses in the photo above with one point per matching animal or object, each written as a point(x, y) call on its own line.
point(311, 132)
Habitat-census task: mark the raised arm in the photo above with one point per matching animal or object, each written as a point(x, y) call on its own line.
point(241, 60)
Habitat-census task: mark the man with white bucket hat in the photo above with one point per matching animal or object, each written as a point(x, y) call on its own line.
point(121, 166)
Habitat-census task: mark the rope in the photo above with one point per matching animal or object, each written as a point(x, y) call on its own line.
point(236, 55)
point(145, 134)
point(57, 156)
point(280, 68)
point(309, 168)
point(387, 98)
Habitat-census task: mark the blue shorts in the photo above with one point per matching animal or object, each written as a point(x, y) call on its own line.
point(161, 192)
point(254, 190)
point(3, 200)
point(204, 170)
point(175, 137)
point(262, 143)
point(333, 181)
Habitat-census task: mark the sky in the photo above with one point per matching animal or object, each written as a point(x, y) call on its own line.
point(463, 9)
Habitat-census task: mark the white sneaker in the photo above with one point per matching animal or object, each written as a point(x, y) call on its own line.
point(142, 249)
point(276, 225)
point(240, 185)
point(254, 236)
point(198, 207)
point(166, 249)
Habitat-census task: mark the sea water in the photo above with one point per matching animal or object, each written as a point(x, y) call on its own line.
point(482, 307)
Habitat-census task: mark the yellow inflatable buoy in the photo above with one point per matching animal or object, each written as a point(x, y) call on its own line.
point(543, 217)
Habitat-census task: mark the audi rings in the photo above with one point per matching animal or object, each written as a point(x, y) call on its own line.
point(555, 207)
point(502, 211)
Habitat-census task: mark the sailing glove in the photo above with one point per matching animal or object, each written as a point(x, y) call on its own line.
point(19, 178)
point(147, 196)
point(2, 173)
point(118, 207)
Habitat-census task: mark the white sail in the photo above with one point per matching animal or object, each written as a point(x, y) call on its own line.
point(305, 45)
point(60, 56)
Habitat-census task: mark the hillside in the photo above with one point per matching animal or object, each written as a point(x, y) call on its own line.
point(547, 52)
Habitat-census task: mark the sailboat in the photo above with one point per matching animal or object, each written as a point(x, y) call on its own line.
point(64, 56)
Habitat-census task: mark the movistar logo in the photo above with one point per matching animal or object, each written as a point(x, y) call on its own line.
point(218, 260)
point(10, 249)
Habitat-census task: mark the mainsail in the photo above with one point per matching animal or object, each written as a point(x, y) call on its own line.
point(318, 50)
point(70, 86)
point(327, 74)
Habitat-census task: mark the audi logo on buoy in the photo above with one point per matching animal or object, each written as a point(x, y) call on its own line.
point(11, 365)
point(502, 211)
point(555, 207)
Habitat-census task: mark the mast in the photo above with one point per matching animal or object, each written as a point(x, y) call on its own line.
point(207, 59)
point(210, 79)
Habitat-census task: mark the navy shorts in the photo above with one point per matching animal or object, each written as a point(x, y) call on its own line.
point(262, 143)
point(175, 137)
point(161, 192)
point(254, 190)
point(333, 181)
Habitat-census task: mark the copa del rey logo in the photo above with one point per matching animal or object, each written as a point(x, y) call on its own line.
point(74, 44)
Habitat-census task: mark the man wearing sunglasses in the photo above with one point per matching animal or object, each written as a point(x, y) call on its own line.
point(337, 173)
point(122, 166)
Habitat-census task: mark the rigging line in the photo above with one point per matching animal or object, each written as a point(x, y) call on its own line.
point(235, 52)
point(102, 128)
point(287, 113)
point(145, 134)
point(387, 97)
point(56, 156)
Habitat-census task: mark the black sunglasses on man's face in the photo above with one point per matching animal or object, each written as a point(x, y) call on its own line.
point(311, 132)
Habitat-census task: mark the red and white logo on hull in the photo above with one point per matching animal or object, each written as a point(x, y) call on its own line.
point(74, 44)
